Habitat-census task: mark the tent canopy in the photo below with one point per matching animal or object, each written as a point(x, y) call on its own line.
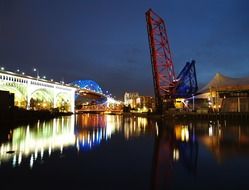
point(223, 83)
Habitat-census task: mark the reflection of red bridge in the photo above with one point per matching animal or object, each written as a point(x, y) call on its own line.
point(173, 144)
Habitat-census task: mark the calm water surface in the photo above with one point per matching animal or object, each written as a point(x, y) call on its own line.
point(114, 152)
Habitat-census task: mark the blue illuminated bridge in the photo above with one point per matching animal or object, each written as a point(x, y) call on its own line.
point(90, 97)
point(37, 93)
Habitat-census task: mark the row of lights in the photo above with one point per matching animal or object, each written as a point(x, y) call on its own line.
point(35, 70)
point(44, 77)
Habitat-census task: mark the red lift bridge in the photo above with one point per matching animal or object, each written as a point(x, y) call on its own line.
point(166, 85)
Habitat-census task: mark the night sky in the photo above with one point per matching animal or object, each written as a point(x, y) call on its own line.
point(106, 40)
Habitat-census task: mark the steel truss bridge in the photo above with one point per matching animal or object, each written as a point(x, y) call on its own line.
point(90, 98)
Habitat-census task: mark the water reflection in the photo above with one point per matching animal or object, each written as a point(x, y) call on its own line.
point(187, 146)
point(34, 141)
point(82, 132)
point(225, 140)
point(91, 129)
point(175, 143)
point(179, 144)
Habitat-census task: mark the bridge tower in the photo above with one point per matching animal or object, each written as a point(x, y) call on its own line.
point(161, 59)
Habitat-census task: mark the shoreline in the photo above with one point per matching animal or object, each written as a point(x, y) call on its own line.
point(17, 117)
point(239, 116)
point(23, 117)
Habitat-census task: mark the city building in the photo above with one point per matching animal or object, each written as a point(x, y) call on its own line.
point(139, 103)
point(130, 99)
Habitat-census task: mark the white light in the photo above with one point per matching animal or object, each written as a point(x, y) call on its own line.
point(19, 158)
point(31, 162)
point(42, 153)
point(2, 68)
point(14, 161)
point(176, 154)
point(157, 130)
point(210, 131)
point(49, 150)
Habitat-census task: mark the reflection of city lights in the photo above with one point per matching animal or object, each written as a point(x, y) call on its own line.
point(30, 144)
point(14, 161)
point(28, 141)
point(36, 153)
point(184, 134)
point(142, 122)
point(210, 131)
point(31, 161)
point(19, 158)
point(110, 126)
point(49, 150)
point(157, 130)
point(176, 154)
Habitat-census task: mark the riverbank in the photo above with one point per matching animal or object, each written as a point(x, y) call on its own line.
point(194, 115)
point(147, 115)
point(240, 116)
point(19, 116)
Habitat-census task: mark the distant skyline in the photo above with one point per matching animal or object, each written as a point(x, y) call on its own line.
point(106, 41)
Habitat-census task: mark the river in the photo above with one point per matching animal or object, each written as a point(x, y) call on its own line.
point(93, 151)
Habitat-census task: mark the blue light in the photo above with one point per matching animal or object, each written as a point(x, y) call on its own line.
point(88, 85)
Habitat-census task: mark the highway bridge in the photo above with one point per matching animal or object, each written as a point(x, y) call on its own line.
point(41, 94)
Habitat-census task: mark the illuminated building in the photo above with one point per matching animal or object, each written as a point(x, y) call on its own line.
point(130, 98)
point(146, 103)
point(140, 103)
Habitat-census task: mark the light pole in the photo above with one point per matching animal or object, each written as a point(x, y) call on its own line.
point(37, 73)
point(193, 97)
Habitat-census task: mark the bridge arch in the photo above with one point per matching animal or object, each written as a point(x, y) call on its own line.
point(41, 99)
point(19, 91)
point(62, 101)
point(88, 85)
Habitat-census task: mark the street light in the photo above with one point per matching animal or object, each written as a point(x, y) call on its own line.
point(37, 73)
point(193, 97)
point(2, 68)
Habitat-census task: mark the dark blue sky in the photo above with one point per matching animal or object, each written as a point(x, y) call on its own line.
point(106, 40)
